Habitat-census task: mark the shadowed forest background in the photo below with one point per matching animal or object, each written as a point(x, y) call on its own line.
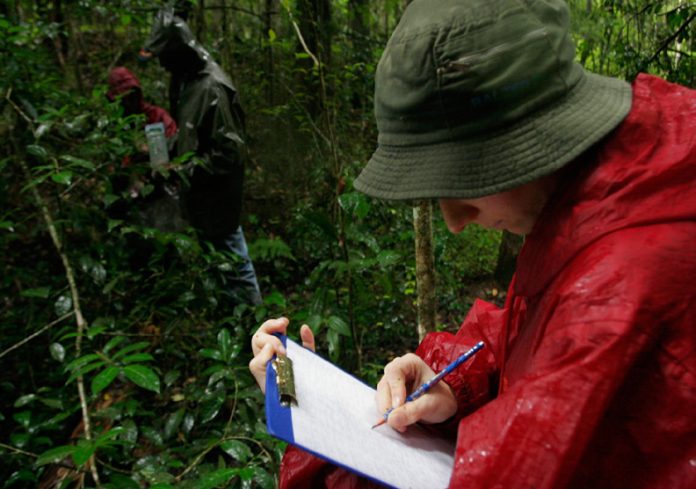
point(122, 366)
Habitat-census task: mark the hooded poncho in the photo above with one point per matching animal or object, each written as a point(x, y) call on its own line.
point(593, 356)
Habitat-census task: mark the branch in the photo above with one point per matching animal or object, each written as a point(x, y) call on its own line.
point(70, 276)
point(18, 451)
point(34, 335)
point(669, 40)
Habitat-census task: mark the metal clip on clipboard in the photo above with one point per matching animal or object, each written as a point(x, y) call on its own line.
point(285, 379)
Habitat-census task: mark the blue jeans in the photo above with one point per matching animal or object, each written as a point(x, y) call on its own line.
point(244, 286)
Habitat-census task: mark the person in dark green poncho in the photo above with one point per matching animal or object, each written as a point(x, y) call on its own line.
point(211, 126)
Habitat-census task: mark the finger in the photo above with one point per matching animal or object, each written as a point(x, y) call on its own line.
point(265, 335)
point(434, 407)
point(257, 365)
point(395, 375)
point(307, 337)
point(384, 396)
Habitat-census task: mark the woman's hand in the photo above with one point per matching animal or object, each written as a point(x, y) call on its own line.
point(264, 345)
point(402, 376)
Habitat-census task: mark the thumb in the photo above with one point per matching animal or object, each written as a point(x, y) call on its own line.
point(307, 337)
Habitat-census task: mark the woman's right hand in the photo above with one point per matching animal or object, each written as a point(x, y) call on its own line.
point(264, 345)
point(401, 376)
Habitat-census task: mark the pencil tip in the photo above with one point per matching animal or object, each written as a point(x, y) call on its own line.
point(379, 423)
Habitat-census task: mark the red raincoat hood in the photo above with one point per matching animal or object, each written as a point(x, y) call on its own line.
point(642, 151)
point(121, 81)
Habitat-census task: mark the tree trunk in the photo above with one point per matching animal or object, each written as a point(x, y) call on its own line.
point(314, 17)
point(358, 11)
point(270, 10)
point(510, 246)
point(425, 267)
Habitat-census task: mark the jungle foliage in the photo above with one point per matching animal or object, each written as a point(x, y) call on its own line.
point(122, 364)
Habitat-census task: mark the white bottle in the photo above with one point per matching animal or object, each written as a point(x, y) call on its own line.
point(157, 144)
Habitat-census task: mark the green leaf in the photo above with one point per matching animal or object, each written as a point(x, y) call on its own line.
point(38, 151)
point(214, 479)
point(274, 298)
point(94, 331)
point(171, 426)
point(386, 258)
point(314, 322)
point(119, 481)
point(338, 325)
point(102, 380)
point(171, 376)
point(112, 343)
point(211, 408)
point(224, 373)
point(224, 340)
point(54, 455)
point(211, 353)
point(263, 479)
point(83, 451)
point(108, 200)
point(24, 400)
point(57, 352)
point(137, 357)
point(73, 161)
point(334, 340)
point(23, 418)
point(354, 203)
point(9, 225)
point(105, 438)
point(40, 292)
point(64, 177)
point(130, 432)
point(135, 346)
point(81, 361)
point(237, 449)
point(84, 370)
point(63, 305)
point(143, 377)
point(20, 440)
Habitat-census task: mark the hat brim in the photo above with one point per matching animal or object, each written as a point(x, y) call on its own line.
point(531, 148)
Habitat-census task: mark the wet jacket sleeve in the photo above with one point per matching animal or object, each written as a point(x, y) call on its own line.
point(599, 317)
point(475, 382)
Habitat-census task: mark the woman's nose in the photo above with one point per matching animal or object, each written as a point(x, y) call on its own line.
point(457, 213)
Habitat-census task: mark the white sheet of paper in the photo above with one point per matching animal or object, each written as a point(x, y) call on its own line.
point(334, 417)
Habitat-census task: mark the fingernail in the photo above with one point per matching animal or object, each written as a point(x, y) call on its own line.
point(396, 401)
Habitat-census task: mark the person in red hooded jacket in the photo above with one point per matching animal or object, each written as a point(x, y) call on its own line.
point(124, 84)
point(588, 378)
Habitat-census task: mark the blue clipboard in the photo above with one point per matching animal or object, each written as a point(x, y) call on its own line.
point(413, 449)
point(279, 417)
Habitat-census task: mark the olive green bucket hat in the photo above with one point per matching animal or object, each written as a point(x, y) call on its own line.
point(479, 96)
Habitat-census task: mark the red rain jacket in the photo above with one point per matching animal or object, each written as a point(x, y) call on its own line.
point(595, 349)
point(121, 81)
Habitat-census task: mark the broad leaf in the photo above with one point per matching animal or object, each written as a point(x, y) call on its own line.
point(143, 377)
point(104, 378)
point(237, 449)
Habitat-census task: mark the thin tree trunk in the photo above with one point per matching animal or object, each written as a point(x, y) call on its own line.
point(269, 11)
point(425, 267)
point(510, 246)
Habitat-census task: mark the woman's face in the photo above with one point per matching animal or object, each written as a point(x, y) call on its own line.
point(515, 210)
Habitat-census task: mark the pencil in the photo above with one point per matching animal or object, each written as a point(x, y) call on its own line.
point(429, 384)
